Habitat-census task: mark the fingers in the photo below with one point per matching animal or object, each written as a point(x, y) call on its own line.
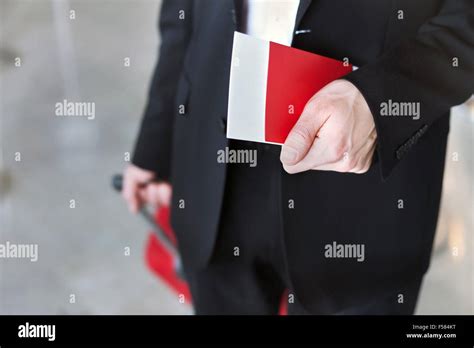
point(154, 194)
point(130, 194)
point(322, 152)
point(359, 160)
point(142, 194)
point(158, 194)
point(134, 179)
point(303, 134)
point(365, 163)
point(355, 162)
point(331, 153)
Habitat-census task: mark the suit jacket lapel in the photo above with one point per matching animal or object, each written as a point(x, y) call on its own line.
point(304, 5)
point(238, 14)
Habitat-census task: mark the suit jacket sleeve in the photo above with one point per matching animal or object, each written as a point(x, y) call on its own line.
point(420, 69)
point(153, 146)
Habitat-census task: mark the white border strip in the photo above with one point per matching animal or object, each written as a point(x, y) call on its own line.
point(248, 88)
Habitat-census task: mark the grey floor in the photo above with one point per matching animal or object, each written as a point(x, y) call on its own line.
point(82, 249)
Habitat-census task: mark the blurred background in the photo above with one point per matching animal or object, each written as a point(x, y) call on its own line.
point(83, 251)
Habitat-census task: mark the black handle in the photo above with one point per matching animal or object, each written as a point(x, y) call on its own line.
point(117, 182)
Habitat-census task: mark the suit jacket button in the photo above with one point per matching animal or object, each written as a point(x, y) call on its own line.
point(400, 154)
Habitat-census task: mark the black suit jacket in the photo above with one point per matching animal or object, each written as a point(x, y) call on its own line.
point(405, 50)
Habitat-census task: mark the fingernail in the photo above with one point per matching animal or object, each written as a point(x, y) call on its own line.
point(288, 155)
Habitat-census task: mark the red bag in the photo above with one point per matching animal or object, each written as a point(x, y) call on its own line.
point(163, 263)
point(160, 261)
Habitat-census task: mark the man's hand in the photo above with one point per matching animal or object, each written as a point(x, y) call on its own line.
point(138, 189)
point(335, 132)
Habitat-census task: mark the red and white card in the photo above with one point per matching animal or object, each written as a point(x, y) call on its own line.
point(270, 85)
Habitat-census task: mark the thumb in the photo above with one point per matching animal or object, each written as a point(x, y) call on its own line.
point(300, 139)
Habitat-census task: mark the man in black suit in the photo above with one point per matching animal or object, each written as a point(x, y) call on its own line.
point(343, 215)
